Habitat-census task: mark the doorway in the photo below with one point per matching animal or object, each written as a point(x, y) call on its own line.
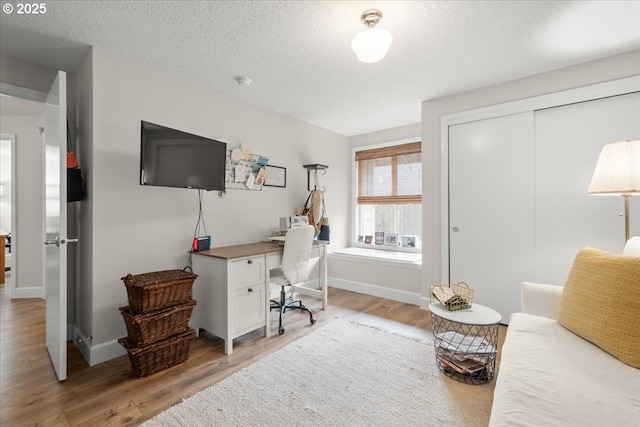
point(22, 210)
point(8, 208)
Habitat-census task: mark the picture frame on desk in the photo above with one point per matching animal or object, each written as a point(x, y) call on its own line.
point(276, 176)
point(408, 241)
point(392, 239)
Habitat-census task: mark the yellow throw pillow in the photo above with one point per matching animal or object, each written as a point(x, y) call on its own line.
point(601, 303)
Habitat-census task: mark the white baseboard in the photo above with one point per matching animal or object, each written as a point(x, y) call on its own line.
point(424, 302)
point(378, 291)
point(98, 353)
point(31, 292)
point(106, 351)
point(82, 342)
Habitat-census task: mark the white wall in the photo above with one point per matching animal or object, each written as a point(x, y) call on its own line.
point(139, 229)
point(606, 69)
point(29, 200)
point(399, 133)
point(373, 277)
point(26, 74)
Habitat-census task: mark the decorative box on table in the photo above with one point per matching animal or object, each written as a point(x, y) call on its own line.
point(452, 296)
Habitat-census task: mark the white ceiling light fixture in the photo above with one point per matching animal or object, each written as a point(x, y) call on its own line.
point(372, 44)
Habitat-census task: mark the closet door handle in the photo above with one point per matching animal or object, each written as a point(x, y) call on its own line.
point(53, 242)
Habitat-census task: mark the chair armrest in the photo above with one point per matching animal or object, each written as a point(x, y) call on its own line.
point(540, 299)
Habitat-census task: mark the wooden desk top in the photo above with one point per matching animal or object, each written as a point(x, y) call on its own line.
point(241, 251)
point(248, 249)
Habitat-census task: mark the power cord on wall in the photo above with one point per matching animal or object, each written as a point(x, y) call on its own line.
point(196, 232)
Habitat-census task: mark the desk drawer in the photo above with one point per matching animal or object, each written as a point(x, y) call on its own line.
point(248, 272)
point(248, 309)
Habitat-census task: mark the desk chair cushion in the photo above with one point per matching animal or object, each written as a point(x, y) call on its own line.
point(296, 254)
point(294, 270)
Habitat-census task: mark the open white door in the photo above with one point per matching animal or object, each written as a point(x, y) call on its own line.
point(55, 193)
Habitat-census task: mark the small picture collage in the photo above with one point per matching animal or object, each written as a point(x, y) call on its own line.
point(388, 239)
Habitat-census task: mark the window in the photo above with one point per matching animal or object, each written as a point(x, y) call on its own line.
point(389, 193)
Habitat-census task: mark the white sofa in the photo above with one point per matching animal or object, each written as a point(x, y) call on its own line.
point(548, 376)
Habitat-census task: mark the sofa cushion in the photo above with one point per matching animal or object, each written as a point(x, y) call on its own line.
point(549, 376)
point(601, 303)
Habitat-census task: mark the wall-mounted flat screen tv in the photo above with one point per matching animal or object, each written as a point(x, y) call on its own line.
point(173, 158)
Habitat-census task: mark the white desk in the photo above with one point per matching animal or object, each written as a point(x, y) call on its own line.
point(232, 288)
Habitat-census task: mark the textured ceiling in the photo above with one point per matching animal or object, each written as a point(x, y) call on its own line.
point(298, 53)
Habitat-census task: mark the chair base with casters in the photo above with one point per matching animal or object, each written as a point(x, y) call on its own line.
point(285, 304)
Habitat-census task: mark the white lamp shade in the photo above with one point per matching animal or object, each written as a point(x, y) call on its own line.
point(618, 169)
point(372, 44)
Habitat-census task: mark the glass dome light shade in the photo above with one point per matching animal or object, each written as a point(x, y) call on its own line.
point(372, 44)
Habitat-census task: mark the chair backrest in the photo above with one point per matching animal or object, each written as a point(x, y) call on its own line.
point(297, 250)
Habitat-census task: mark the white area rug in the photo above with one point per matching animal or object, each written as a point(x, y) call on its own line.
point(344, 374)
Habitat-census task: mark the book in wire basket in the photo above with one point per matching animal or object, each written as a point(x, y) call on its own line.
point(452, 296)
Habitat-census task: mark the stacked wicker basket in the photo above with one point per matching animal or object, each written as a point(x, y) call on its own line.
point(157, 320)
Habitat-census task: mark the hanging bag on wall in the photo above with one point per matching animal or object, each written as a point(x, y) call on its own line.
point(75, 184)
point(305, 210)
point(325, 229)
point(317, 206)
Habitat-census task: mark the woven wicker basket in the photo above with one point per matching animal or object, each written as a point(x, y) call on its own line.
point(452, 296)
point(145, 329)
point(152, 291)
point(159, 355)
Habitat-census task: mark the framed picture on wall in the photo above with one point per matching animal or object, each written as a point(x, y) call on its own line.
point(276, 176)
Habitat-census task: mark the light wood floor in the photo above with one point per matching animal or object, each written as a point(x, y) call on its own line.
point(108, 394)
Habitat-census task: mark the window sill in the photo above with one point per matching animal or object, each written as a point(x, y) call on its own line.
point(377, 256)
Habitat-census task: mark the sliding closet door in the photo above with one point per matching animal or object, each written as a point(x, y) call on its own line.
point(568, 142)
point(492, 208)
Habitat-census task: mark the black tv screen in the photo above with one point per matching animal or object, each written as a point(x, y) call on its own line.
point(172, 158)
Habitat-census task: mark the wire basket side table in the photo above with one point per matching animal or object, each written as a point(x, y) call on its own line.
point(466, 342)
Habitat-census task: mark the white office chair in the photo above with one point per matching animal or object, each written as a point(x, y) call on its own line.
point(294, 270)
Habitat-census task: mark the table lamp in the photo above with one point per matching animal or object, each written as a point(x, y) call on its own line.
point(618, 173)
